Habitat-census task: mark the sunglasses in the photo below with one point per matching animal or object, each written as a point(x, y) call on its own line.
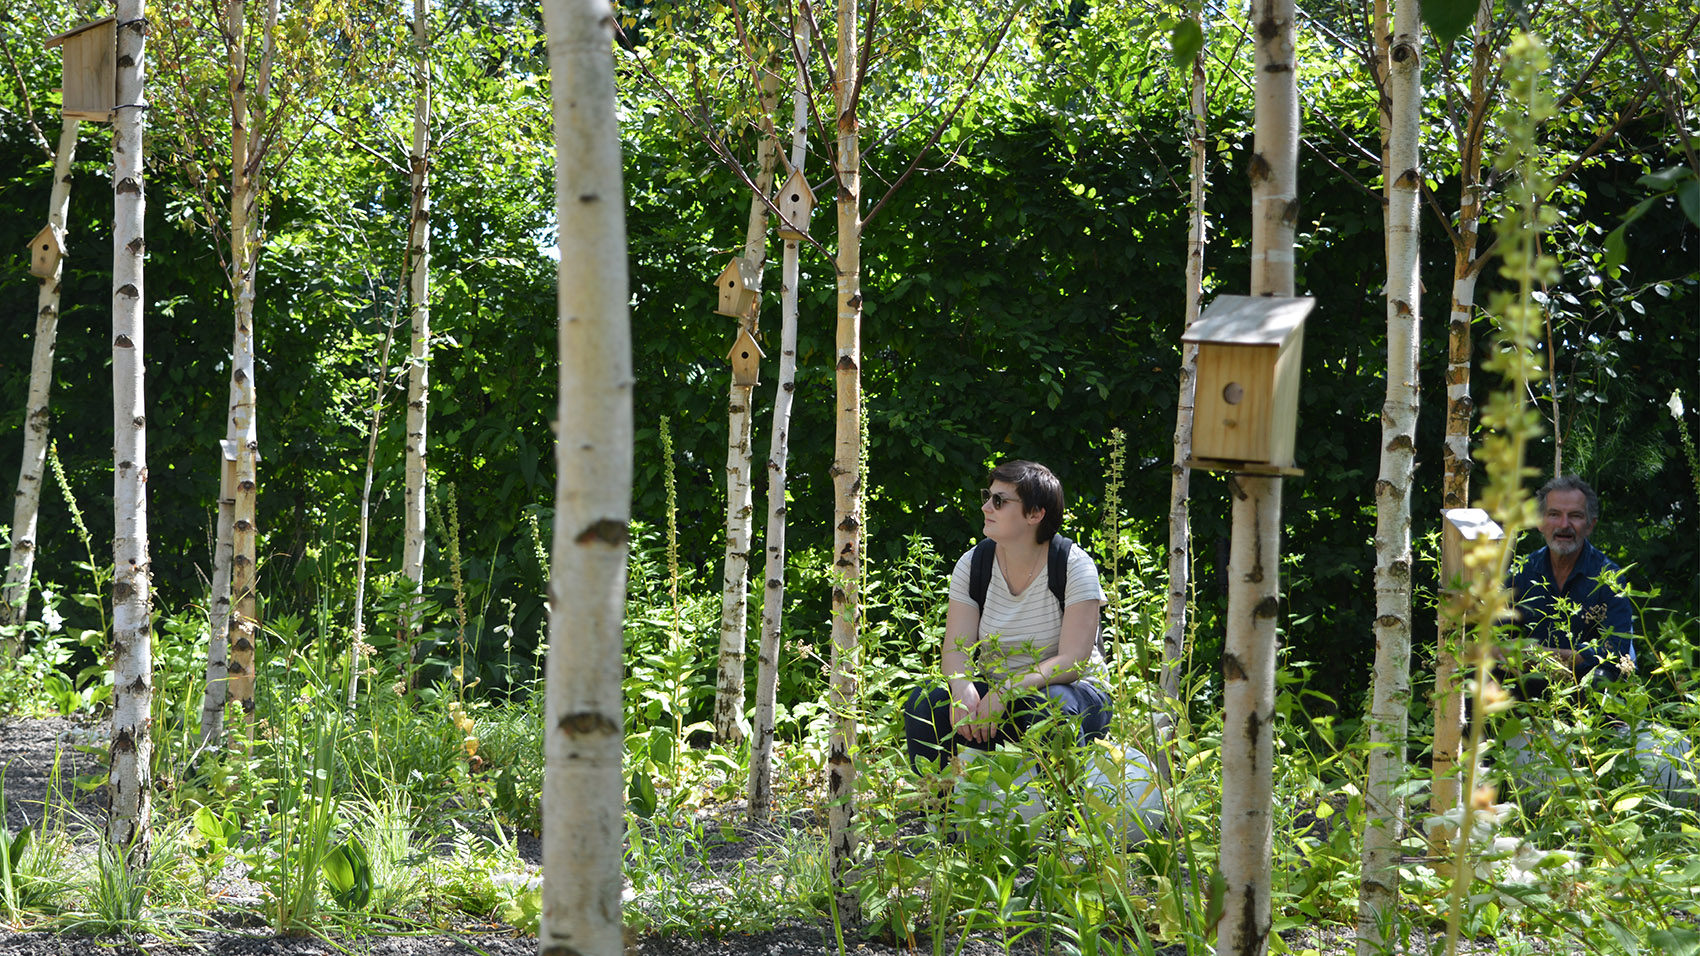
point(997, 498)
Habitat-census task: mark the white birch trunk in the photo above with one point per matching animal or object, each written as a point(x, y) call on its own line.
point(773, 595)
point(38, 417)
point(847, 482)
point(1460, 409)
point(217, 691)
point(1180, 480)
point(242, 427)
point(1391, 697)
point(729, 723)
point(130, 780)
point(583, 819)
point(1254, 561)
point(419, 298)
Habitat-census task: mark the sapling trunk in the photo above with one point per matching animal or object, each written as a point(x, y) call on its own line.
point(1390, 703)
point(1455, 448)
point(1180, 480)
point(1254, 562)
point(38, 417)
point(735, 584)
point(773, 595)
point(419, 298)
point(583, 804)
point(846, 480)
point(130, 777)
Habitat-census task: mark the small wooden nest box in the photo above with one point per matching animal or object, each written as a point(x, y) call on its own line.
point(46, 249)
point(738, 284)
point(1458, 526)
point(746, 358)
point(796, 202)
point(1247, 397)
point(90, 84)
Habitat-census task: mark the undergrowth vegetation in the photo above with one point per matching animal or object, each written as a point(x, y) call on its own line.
point(408, 811)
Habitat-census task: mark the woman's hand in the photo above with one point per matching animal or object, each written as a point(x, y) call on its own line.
point(964, 707)
point(981, 724)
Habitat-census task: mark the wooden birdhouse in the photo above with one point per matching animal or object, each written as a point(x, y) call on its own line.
point(738, 284)
point(46, 249)
point(1247, 397)
point(1461, 525)
point(91, 70)
point(796, 201)
point(746, 358)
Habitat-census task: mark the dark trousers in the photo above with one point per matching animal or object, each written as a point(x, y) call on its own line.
point(926, 718)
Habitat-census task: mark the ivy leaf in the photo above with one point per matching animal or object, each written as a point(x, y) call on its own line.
point(1448, 19)
point(1186, 40)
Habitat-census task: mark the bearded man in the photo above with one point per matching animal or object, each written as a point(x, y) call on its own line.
point(1566, 594)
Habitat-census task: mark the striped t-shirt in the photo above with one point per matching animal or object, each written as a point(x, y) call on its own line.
point(1017, 631)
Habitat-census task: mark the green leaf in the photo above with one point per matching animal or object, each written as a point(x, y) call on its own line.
point(1688, 196)
point(1218, 897)
point(1616, 251)
point(1186, 40)
point(1448, 19)
point(1674, 942)
point(1666, 178)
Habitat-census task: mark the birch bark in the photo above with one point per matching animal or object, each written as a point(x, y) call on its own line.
point(419, 298)
point(218, 615)
point(846, 479)
point(38, 416)
point(1391, 698)
point(583, 821)
point(729, 724)
point(1180, 480)
point(246, 155)
point(1460, 410)
point(773, 594)
point(1254, 557)
point(357, 643)
point(130, 779)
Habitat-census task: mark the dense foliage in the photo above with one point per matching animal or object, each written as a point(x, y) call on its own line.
point(1023, 299)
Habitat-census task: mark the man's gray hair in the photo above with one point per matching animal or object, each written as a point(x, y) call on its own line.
point(1572, 483)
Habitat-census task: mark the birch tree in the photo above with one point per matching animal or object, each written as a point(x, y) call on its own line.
point(38, 417)
point(734, 603)
point(846, 475)
point(419, 298)
point(1254, 557)
point(130, 779)
point(247, 156)
point(583, 820)
point(1180, 480)
point(773, 594)
point(1390, 705)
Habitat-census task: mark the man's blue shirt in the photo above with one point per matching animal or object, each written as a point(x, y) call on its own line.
point(1602, 627)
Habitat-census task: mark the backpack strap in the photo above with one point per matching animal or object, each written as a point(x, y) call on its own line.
point(1056, 571)
point(980, 571)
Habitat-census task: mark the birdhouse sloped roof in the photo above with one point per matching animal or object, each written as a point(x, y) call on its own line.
point(1474, 523)
point(48, 233)
point(68, 34)
point(1250, 320)
point(747, 343)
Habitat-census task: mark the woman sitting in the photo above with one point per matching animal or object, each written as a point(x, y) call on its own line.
point(1023, 650)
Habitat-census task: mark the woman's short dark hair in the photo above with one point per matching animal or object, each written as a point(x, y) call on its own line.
point(1038, 488)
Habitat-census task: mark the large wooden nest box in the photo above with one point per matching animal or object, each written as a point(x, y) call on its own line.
point(46, 249)
point(746, 358)
point(90, 84)
point(1247, 397)
point(796, 202)
point(1460, 525)
point(738, 284)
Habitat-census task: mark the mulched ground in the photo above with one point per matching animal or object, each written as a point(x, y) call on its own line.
point(29, 748)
